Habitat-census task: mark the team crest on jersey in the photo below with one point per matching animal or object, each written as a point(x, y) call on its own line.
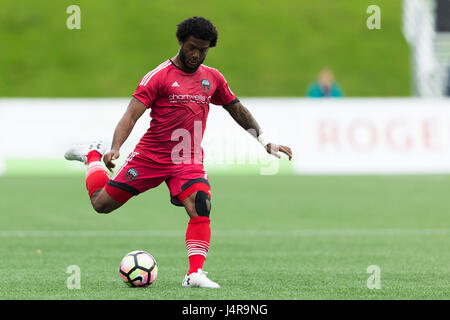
point(206, 85)
point(131, 174)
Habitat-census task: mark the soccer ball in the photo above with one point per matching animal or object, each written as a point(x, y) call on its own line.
point(138, 269)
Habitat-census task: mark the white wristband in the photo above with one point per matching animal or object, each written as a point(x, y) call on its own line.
point(262, 140)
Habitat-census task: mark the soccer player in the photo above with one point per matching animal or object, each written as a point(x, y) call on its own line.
point(178, 92)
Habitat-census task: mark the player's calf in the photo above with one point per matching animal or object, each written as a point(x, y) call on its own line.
point(96, 175)
point(198, 233)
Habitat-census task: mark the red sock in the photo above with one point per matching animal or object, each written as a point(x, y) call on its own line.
point(93, 155)
point(198, 236)
point(96, 175)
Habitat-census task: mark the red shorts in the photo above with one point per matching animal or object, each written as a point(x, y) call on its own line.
point(140, 173)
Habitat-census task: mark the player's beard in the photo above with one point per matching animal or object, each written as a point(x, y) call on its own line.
point(184, 62)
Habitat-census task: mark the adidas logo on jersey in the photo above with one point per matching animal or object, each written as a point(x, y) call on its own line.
point(175, 85)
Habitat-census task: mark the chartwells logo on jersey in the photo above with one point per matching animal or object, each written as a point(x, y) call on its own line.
point(206, 85)
point(131, 174)
point(186, 98)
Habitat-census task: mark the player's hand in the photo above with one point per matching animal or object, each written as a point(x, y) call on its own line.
point(109, 157)
point(273, 149)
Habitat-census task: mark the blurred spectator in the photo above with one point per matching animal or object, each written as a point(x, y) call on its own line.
point(325, 86)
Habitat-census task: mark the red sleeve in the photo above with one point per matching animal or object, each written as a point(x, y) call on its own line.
point(147, 90)
point(223, 95)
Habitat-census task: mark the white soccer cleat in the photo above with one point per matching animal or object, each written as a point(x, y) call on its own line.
point(198, 280)
point(80, 152)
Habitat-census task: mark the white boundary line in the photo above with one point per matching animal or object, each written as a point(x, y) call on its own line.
point(251, 233)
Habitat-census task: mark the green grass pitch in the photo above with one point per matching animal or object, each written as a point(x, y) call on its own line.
point(274, 237)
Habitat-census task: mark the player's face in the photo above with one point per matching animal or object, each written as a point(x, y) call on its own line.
point(193, 52)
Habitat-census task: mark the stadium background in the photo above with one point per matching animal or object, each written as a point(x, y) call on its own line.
point(280, 236)
point(265, 48)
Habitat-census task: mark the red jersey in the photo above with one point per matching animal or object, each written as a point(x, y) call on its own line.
point(179, 103)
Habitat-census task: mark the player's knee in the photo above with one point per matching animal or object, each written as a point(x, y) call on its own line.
point(202, 204)
point(100, 207)
point(103, 203)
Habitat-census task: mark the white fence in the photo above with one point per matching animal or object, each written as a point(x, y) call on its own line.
point(327, 136)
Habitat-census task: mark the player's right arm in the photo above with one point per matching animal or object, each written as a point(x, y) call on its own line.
point(143, 98)
point(123, 129)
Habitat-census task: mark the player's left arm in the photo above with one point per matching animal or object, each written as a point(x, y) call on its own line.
point(246, 120)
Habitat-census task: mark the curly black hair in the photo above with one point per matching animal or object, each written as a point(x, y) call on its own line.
point(197, 27)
